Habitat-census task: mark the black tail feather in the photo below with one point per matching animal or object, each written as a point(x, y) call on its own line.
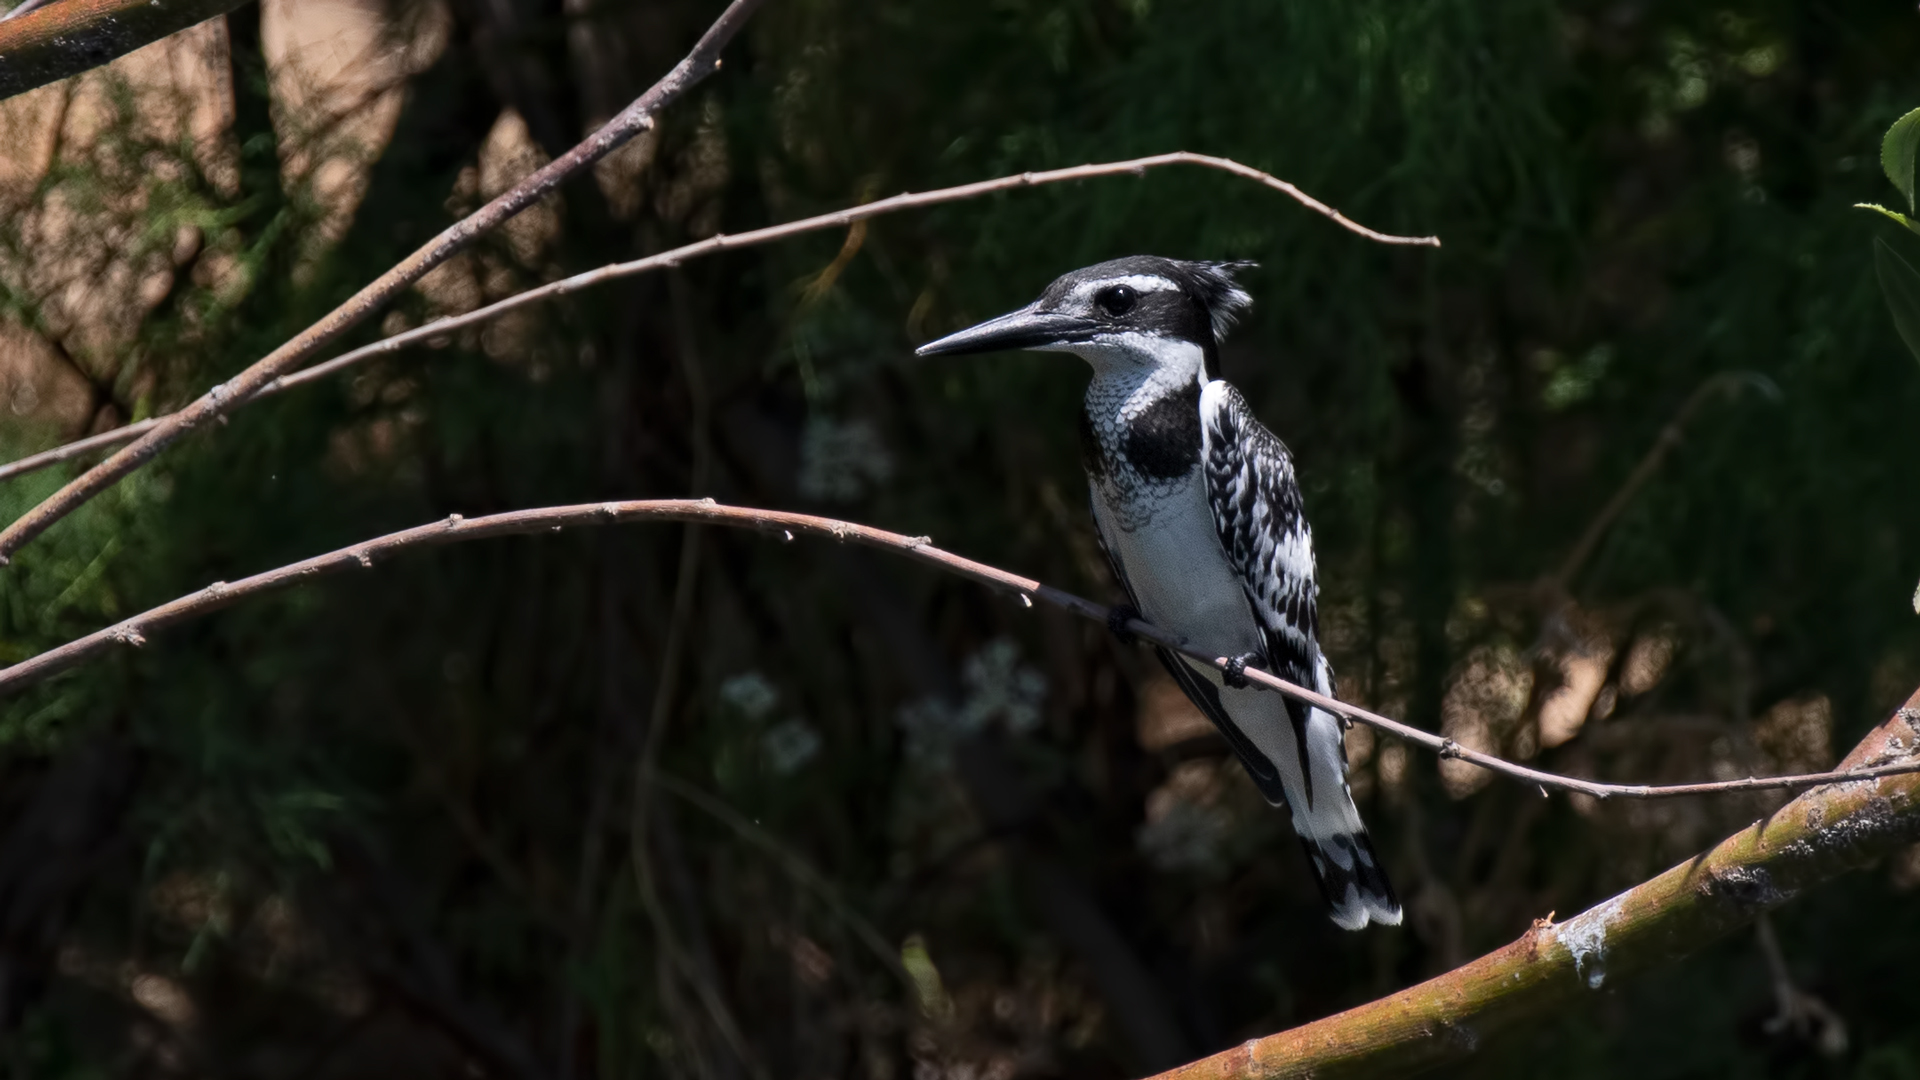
point(1351, 880)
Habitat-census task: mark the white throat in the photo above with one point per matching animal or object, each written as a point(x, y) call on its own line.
point(1133, 369)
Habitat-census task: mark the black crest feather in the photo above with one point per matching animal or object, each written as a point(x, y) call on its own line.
point(1213, 283)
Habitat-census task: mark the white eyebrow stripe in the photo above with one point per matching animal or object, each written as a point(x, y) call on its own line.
point(1139, 283)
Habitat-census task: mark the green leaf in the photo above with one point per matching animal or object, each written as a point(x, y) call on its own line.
point(1911, 223)
point(1901, 286)
point(1897, 152)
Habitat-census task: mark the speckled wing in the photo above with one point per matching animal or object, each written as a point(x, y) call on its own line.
point(1258, 513)
point(1257, 510)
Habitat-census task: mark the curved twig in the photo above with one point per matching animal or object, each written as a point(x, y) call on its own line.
point(135, 631)
point(229, 395)
point(838, 219)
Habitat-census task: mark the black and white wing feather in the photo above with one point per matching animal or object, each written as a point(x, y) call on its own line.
point(1258, 513)
point(1259, 517)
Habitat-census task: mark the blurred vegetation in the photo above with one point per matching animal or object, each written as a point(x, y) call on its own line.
point(390, 826)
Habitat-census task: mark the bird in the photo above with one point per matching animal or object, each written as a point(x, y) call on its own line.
point(1198, 509)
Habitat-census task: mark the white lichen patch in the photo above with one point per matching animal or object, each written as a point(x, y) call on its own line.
point(1585, 937)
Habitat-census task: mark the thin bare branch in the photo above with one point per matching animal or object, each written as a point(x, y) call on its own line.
point(1821, 834)
point(135, 631)
point(224, 398)
point(78, 448)
point(839, 219)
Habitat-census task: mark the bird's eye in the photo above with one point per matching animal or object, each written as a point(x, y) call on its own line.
point(1116, 300)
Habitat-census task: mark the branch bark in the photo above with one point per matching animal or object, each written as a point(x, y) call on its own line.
point(224, 398)
point(1819, 835)
point(850, 217)
point(134, 631)
point(51, 43)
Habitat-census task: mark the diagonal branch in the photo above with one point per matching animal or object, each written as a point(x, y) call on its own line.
point(134, 631)
point(224, 398)
point(839, 219)
point(1819, 835)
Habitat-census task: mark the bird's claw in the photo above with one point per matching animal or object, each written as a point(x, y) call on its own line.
point(1117, 620)
point(1235, 673)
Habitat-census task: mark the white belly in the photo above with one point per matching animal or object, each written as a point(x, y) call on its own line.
point(1179, 574)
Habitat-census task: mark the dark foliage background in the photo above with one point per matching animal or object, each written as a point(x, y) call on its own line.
point(390, 826)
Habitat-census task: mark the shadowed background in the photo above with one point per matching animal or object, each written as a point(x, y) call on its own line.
point(390, 827)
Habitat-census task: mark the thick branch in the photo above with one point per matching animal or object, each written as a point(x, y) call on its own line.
point(227, 396)
point(51, 43)
point(722, 242)
point(1817, 836)
point(134, 631)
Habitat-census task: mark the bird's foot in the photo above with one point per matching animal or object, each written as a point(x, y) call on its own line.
point(1235, 673)
point(1117, 620)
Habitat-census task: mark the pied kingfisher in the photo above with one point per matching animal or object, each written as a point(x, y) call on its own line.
point(1196, 506)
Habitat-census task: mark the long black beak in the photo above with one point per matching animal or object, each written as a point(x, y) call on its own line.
point(1023, 329)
